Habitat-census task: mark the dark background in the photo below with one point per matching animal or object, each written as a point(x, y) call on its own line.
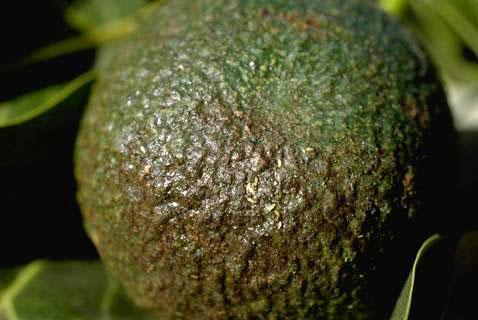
point(468, 187)
point(39, 217)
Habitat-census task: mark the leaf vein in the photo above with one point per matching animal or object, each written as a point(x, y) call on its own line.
point(17, 285)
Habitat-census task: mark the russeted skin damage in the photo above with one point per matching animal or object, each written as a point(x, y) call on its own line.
point(264, 160)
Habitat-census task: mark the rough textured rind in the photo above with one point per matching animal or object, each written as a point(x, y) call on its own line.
point(263, 160)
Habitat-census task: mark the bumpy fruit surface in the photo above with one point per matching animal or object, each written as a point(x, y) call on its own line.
point(264, 160)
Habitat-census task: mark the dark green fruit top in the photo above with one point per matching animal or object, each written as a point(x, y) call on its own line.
point(263, 159)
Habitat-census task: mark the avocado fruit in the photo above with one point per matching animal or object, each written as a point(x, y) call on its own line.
point(268, 159)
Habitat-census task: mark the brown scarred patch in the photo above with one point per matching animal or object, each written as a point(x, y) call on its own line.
point(290, 17)
point(311, 22)
point(414, 112)
point(407, 180)
point(409, 108)
point(299, 22)
point(264, 13)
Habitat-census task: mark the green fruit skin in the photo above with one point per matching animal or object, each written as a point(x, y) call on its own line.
point(265, 159)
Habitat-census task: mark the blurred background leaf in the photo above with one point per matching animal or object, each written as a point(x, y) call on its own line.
point(30, 105)
point(87, 14)
point(99, 23)
point(448, 29)
point(63, 290)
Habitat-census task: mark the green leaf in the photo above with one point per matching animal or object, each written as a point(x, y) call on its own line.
point(87, 14)
point(395, 7)
point(92, 38)
point(443, 27)
point(110, 20)
point(458, 21)
point(442, 43)
point(30, 105)
point(63, 290)
point(426, 291)
point(100, 22)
